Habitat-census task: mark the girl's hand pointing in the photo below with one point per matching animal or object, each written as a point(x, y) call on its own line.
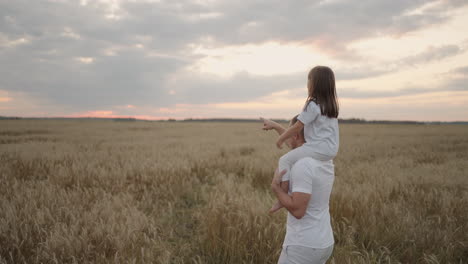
point(267, 124)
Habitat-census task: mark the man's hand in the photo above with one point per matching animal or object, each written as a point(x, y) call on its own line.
point(296, 203)
point(267, 124)
point(275, 183)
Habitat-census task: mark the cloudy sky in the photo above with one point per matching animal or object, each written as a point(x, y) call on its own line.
point(394, 60)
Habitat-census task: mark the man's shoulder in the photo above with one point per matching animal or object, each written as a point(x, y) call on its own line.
point(304, 165)
point(307, 166)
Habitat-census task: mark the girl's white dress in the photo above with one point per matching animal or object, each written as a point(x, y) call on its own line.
point(321, 134)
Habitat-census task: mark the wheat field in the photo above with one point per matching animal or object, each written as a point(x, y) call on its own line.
point(100, 191)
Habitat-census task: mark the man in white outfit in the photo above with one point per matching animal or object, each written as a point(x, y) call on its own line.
point(309, 236)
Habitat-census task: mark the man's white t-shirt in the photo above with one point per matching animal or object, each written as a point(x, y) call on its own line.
point(314, 230)
point(320, 132)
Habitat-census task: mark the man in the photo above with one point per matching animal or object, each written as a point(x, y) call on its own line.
point(309, 236)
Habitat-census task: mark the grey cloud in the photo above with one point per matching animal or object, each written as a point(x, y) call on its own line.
point(357, 93)
point(458, 82)
point(331, 25)
point(240, 87)
point(460, 70)
point(360, 73)
point(433, 53)
point(426, 56)
point(125, 79)
point(46, 68)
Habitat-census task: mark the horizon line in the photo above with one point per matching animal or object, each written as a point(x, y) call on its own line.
point(136, 118)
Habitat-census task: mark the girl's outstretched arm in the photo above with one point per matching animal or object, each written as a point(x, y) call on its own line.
point(290, 132)
point(270, 124)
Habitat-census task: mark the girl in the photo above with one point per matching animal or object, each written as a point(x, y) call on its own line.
point(319, 121)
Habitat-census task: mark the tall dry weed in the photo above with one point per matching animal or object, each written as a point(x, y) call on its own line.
point(148, 192)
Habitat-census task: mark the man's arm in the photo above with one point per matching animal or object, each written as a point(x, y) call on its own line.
point(270, 124)
point(290, 132)
point(296, 204)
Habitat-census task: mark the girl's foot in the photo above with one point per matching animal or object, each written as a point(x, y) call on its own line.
point(276, 207)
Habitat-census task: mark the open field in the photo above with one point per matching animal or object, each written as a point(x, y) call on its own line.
point(148, 192)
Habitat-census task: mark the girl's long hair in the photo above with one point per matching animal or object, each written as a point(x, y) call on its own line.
point(322, 91)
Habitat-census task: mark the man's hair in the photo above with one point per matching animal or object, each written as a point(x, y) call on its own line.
point(293, 121)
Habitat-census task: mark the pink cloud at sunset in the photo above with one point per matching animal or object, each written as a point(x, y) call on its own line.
point(111, 114)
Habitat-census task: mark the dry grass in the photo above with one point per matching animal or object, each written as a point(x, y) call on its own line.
point(143, 192)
